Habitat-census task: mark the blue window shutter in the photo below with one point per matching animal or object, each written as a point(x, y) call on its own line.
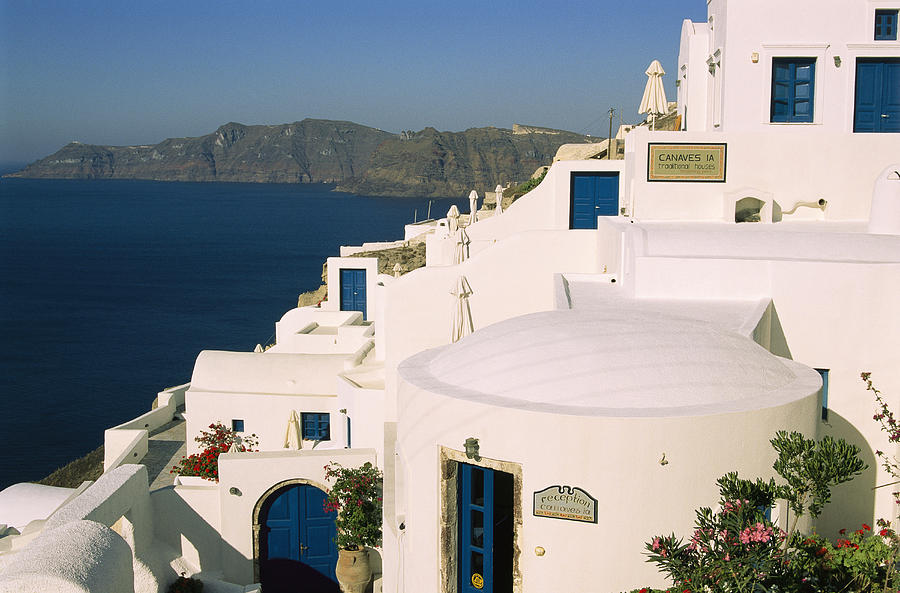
point(824, 374)
point(793, 89)
point(316, 426)
point(885, 25)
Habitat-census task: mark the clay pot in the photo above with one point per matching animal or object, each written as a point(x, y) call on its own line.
point(353, 571)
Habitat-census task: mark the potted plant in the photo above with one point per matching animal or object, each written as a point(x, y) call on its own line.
point(355, 496)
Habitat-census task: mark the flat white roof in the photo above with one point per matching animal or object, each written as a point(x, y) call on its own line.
point(611, 362)
point(266, 373)
point(845, 241)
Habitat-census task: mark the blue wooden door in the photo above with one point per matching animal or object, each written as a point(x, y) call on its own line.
point(476, 529)
point(298, 540)
point(592, 195)
point(353, 290)
point(877, 104)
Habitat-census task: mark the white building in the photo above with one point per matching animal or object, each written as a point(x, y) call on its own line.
point(641, 328)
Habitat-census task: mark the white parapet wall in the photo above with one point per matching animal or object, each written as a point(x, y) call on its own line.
point(99, 541)
point(127, 442)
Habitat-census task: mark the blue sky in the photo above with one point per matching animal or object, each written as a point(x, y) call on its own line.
point(128, 72)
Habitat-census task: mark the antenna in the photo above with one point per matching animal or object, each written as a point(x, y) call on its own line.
point(609, 137)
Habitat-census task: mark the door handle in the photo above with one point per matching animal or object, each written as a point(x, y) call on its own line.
point(885, 115)
point(303, 548)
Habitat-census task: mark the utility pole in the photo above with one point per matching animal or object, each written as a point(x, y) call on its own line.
point(609, 137)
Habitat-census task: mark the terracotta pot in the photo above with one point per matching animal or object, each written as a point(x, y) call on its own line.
point(353, 571)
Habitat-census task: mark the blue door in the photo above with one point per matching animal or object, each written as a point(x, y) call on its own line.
point(297, 542)
point(593, 195)
point(476, 533)
point(877, 105)
point(485, 507)
point(353, 290)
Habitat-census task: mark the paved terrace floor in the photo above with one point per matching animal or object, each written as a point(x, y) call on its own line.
point(165, 448)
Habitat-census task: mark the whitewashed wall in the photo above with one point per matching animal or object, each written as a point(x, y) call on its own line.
point(832, 28)
point(834, 314)
point(616, 460)
point(252, 475)
point(816, 163)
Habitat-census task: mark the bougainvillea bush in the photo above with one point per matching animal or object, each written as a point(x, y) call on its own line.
point(355, 496)
point(217, 440)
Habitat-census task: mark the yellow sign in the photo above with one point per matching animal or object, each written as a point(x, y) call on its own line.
point(477, 581)
point(685, 162)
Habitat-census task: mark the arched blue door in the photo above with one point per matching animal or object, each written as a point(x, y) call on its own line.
point(297, 542)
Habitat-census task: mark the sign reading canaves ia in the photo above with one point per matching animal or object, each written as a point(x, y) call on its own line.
point(565, 502)
point(685, 162)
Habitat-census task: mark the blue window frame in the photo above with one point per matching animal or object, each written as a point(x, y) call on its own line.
point(824, 374)
point(885, 25)
point(793, 90)
point(316, 426)
point(237, 425)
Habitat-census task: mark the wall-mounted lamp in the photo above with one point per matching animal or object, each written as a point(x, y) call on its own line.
point(234, 491)
point(754, 57)
point(837, 61)
point(472, 449)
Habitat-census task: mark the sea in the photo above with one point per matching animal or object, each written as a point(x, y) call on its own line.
point(111, 288)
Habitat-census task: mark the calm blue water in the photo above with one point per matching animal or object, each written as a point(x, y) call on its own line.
point(111, 288)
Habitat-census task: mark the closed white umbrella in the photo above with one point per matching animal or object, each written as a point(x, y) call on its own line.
point(461, 253)
point(453, 218)
point(234, 445)
point(654, 101)
point(292, 438)
point(473, 206)
point(498, 193)
point(461, 322)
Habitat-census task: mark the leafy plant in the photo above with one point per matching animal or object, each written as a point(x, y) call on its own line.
point(355, 496)
point(185, 584)
point(524, 188)
point(889, 425)
point(812, 468)
point(734, 549)
point(861, 561)
point(215, 441)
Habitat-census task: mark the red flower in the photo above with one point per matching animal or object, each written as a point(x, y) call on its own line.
point(842, 531)
point(866, 527)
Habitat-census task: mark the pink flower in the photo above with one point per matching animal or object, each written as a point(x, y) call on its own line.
point(655, 543)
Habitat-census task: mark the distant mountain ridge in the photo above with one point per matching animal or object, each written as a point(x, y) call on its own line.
point(357, 158)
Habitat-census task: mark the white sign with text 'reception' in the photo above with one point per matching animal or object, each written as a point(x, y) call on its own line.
point(565, 502)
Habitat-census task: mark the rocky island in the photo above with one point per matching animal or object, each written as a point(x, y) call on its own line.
point(356, 158)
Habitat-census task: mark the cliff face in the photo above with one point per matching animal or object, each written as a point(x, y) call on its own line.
point(359, 159)
point(310, 151)
point(433, 163)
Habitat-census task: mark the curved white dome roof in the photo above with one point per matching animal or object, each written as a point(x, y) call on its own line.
point(634, 363)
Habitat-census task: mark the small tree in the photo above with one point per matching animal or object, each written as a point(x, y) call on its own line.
point(811, 469)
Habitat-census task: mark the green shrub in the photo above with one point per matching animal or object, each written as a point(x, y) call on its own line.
point(185, 584)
